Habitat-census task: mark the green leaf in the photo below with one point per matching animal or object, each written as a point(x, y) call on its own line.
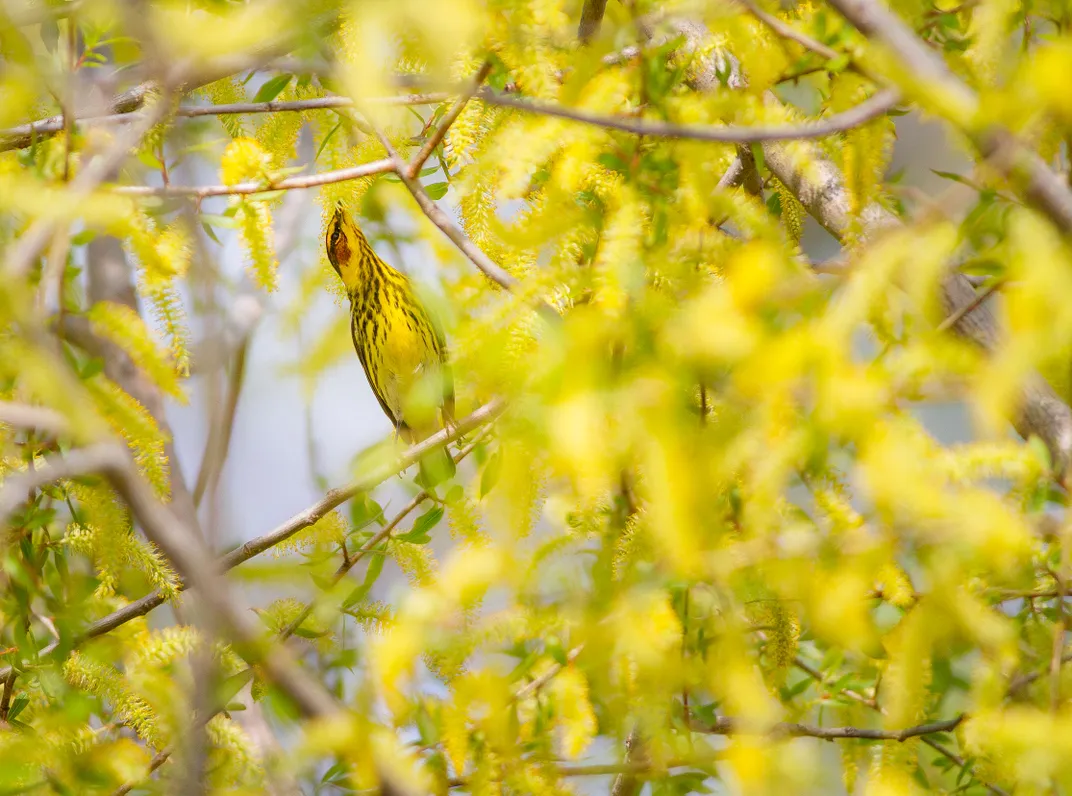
point(272, 88)
point(948, 175)
point(364, 511)
point(306, 632)
point(17, 704)
point(418, 534)
point(211, 233)
point(327, 138)
point(230, 686)
point(757, 155)
point(838, 63)
point(375, 567)
point(337, 770)
point(150, 159)
point(91, 367)
point(214, 220)
point(429, 519)
point(490, 475)
point(436, 190)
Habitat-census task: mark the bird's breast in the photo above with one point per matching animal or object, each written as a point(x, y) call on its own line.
point(394, 348)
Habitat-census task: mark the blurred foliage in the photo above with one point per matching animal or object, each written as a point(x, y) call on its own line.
point(711, 494)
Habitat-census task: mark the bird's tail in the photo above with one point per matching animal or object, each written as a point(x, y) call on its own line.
point(434, 467)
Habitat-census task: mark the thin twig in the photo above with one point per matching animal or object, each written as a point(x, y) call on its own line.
point(494, 272)
point(215, 453)
point(787, 31)
point(605, 769)
point(158, 760)
point(536, 683)
point(726, 725)
point(867, 110)
point(289, 183)
point(948, 753)
point(627, 783)
point(24, 135)
point(55, 124)
point(1060, 627)
point(1019, 683)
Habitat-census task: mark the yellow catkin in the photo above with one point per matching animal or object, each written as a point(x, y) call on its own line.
point(573, 712)
point(105, 682)
point(122, 326)
point(129, 419)
point(258, 239)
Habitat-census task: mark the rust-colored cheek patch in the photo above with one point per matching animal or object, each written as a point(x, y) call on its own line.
point(342, 251)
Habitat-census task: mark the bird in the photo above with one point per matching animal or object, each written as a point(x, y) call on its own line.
point(397, 341)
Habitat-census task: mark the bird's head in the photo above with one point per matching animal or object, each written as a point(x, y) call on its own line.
point(346, 247)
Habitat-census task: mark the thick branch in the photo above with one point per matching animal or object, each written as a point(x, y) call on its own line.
point(591, 19)
point(1044, 188)
point(822, 192)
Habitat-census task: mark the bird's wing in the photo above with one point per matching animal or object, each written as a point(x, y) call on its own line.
point(442, 362)
point(396, 421)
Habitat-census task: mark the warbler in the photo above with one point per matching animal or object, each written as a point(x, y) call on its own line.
point(402, 350)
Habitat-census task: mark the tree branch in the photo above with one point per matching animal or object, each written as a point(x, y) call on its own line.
point(334, 498)
point(1044, 189)
point(726, 725)
point(31, 243)
point(126, 103)
point(867, 110)
point(289, 183)
point(627, 783)
point(382, 535)
point(191, 559)
point(943, 750)
point(591, 19)
point(822, 192)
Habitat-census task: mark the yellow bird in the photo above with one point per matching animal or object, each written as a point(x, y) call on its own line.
point(402, 351)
